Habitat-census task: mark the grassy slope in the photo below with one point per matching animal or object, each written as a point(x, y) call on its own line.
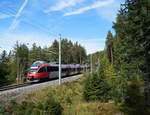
point(70, 97)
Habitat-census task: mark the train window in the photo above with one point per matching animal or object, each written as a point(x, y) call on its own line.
point(79, 69)
point(43, 69)
point(68, 69)
point(64, 70)
point(31, 71)
point(55, 68)
point(74, 69)
point(52, 69)
point(49, 69)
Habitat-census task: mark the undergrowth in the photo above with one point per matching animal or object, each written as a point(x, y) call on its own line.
point(66, 99)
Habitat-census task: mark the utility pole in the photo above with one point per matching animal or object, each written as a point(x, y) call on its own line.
point(18, 69)
point(60, 59)
point(91, 65)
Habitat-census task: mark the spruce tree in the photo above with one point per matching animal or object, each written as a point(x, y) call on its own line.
point(132, 43)
point(109, 46)
point(96, 88)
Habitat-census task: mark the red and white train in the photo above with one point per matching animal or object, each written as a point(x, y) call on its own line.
point(41, 70)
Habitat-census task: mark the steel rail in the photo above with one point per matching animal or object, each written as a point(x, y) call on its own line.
point(13, 86)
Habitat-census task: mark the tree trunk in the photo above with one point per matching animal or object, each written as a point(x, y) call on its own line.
point(111, 56)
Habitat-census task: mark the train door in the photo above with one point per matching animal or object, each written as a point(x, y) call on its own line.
point(53, 72)
point(49, 71)
point(62, 71)
point(42, 73)
point(79, 70)
point(68, 71)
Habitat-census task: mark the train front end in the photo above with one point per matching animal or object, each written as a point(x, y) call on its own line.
point(33, 75)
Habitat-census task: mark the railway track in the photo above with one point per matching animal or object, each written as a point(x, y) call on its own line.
point(4, 88)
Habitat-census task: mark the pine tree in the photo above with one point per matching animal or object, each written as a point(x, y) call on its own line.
point(96, 88)
point(54, 48)
point(97, 85)
point(109, 46)
point(21, 61)
point(139, 31)
point(4, 68)
point(132, 43)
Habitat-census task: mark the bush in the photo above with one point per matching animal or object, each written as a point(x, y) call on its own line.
point(51, 106)
point(96, 88)
point(46, 107)
point(134, 100)
point(2, 110)
point(24, 108)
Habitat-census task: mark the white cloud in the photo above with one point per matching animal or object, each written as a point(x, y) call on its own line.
point(15, 22)
point(3, 16)
point(93, 6)
point(63, 4)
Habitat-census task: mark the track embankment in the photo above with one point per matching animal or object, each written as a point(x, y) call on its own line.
point(14, 93)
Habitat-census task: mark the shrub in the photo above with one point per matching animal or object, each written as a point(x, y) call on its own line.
point(96, 88)
point(24, 108)
point(49, 106)
point(134, 103)
point(2, 110)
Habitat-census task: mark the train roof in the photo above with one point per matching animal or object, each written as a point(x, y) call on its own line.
point(40, 62)
point(37, 64)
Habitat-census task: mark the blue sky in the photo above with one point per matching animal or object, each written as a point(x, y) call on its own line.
point(41, 21)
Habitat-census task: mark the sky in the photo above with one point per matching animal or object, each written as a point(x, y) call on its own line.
point(41, 21)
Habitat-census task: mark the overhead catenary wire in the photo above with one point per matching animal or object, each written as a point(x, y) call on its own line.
point(36, 25)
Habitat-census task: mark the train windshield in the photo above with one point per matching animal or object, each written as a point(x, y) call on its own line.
point(33, 70)
point(36, 65)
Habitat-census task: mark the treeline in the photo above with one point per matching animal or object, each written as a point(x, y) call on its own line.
point(124, 72)
point(14, 65)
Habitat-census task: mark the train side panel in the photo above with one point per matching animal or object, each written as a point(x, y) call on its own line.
point(41, 70)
